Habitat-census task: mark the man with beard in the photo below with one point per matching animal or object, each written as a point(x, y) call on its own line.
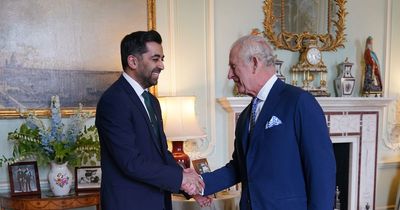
point(138, 172)
point(283, 155)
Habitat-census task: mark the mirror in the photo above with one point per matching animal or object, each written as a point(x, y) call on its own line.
point(290, 23)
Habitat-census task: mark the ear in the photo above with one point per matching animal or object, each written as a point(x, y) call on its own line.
point(254, 63)
point(132, 62)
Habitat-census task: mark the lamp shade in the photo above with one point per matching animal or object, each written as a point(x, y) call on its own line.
point(180, 123)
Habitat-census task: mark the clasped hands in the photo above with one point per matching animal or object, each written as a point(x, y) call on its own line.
point(193, 184)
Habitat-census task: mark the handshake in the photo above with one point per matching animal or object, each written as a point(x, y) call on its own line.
point(193, 184)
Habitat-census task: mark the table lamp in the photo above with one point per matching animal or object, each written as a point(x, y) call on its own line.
point(180, 124)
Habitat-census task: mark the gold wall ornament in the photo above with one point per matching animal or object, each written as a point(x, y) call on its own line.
point(43, 112)
point(151, 25)
point(294, 41)
point(310, 72)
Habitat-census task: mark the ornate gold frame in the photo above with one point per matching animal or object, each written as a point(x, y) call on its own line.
point(294, 42)
point(151, 25)
point(68, 111)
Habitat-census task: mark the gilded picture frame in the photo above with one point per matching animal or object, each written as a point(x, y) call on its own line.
point(28, 78)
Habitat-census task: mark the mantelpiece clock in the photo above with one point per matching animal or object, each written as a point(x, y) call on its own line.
point(313, 56)
point(311, 70)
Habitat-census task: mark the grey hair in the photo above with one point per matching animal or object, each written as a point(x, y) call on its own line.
point(255, 46)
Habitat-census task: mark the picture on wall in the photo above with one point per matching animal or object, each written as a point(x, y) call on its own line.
point(68, 48)
point(24, 178)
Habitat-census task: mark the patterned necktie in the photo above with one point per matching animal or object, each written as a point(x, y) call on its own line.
point(153, 119)
point(253, 113)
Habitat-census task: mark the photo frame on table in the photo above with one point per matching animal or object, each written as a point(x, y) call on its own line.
point(87, 178)
point(24, 178)
point(201, 166)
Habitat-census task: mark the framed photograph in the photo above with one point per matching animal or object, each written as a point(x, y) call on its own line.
point(67, 50)
point(201, 166)
point(24, 178)
point(87, 178)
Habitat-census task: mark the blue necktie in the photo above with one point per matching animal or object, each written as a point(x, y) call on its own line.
point(153, 119)
point(253, 113)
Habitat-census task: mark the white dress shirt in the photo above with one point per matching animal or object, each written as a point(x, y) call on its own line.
point(263, 94)
point(138, 89)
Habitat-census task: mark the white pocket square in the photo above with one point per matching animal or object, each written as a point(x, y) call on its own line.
point(274, 121)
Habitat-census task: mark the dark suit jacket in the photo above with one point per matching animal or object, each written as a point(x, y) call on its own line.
point(290, 166)
point(138, 172)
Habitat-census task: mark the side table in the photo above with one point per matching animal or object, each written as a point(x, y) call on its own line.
point(224, 201)
point(46, 202)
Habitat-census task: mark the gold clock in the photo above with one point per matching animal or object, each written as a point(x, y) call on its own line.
point(311, 71)
point(313, 56)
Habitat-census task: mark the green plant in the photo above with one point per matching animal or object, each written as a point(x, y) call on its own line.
point(73, 143)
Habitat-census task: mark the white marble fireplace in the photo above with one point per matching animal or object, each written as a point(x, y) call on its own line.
point(353, 121)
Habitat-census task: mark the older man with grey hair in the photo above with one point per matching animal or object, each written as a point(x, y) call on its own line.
point(283, 155)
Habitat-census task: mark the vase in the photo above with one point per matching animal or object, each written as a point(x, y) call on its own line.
point(278, 72)
point(179, 155)
point(344, 83)
point(60, 179)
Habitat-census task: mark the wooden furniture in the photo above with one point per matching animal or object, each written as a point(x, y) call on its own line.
point(223, 201)
point(47, 202)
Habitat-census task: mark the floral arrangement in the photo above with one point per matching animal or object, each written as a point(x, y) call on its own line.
point(59, 143)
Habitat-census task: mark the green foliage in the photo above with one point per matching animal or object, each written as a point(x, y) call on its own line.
point(27, 145)
point(59, 143)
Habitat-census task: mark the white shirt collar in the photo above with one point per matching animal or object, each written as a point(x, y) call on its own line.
point(135, 85)
point(264, 92)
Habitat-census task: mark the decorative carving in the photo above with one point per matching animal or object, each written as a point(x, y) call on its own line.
point(391, 136)
point(294, 42)
point(199, 148)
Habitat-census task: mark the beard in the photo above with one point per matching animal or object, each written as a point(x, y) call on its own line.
point(150, 78)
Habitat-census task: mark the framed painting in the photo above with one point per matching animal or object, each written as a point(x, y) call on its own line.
point(24, 178)
point(87, 178)
point(68, 48)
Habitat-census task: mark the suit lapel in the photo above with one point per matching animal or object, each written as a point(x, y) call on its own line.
point(136, 101)
point(242, 129)
point(157, 110)
point(268, 108)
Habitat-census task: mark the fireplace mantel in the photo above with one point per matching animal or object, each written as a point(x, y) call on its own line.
point(352, 120)
point(237, 104)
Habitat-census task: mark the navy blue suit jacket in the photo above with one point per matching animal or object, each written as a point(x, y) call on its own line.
point(290, 166)
point(138, 172)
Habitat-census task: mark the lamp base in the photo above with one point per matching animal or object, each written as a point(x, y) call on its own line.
point(179, 155)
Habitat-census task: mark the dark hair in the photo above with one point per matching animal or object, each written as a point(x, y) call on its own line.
point(135, 44)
